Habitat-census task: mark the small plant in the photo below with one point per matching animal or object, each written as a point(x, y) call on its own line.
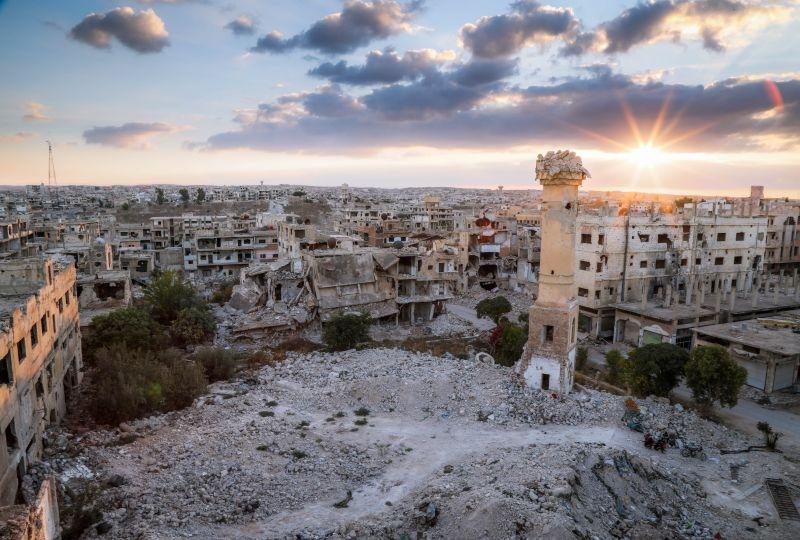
point(299, 454)
point(340, 414)
point(354, 429)
point(361, 411)
point(262, 448)
point(304, 424)
point(272, 403)
point(770, 436)
point(330, 419)
point(266, 413)
point(361, 422)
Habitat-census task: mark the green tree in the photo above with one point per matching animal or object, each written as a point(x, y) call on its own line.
point(201, 195)
point(344, 332)
point(493, 308)
point(581, 357)
point(132, 328)
point(714, 376)
point(125, 206)
point(654, 369)
point(160, 199)
point(184, 193)
point(169, 293)
point(299, 193)
point(509, 344)
point(614, 360)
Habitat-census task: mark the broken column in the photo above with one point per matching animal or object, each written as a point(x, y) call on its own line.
point(548, 360)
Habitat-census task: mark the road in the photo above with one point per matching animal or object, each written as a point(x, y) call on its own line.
point(746, 414)
point(469, 315)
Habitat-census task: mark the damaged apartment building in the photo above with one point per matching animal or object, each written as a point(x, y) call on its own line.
point(40, 360)
point(396, 285)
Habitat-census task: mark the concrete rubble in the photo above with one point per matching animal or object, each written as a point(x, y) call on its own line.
point(384, 443)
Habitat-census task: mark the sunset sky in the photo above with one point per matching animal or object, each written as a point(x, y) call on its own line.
point(677, 96)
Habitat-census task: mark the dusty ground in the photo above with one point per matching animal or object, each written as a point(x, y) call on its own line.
point(449, 449)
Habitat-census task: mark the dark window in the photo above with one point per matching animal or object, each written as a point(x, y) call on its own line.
point(12, 443)
point(599, 267)
point(601, 238)
point(686, 229)
point(441, 267)
point(548, 332)
point(34, 336)
point(22, 353)
point(721, 237)
point(697, 262)
point(586, 239)
point(6, 370)
point(699, 236)
point(739, 236)
point(684, 262)
point(644, 237)
point(583, 292)
point(737, 259)
point(597, 295)
point(661, 263)
point(584, 265)
point(66, 297)
point(663, 239)
point(642, 264)
point(719, 261)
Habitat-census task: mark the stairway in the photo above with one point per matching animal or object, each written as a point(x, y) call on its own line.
point(782, 499)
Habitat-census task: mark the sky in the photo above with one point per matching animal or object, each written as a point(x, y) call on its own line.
point(668, 96)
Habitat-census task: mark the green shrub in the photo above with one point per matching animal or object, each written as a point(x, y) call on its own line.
point(219, 364)
point(131, 328)
point(614, 362)
point(361, 411)
point(581, 357)
point(193, 325)
point(507, 342)
point(361, 422)
point(344, 332)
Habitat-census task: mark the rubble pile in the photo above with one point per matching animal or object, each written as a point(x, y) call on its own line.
point(384, 443)
point(447, 325)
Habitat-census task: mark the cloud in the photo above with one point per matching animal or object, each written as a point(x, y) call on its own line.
point(16, 137)
point(130, 135)
point(34, 112)
point(528, 23)
point(359, 23)
point(479, 72)
point(144, 32)
point(384, 67)
point(172, 2)
point(242, 26)
point(586, 110)
point(712, 23)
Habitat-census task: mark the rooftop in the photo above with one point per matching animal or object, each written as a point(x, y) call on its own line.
point(778, 334)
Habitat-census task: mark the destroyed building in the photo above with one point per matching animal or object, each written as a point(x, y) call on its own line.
point(41, 360)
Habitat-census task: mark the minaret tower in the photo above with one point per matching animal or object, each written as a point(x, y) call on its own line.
point(548, 361)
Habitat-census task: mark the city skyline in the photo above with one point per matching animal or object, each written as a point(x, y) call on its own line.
point(673, 96)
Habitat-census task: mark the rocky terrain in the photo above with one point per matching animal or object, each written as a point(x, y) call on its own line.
point(384, 443)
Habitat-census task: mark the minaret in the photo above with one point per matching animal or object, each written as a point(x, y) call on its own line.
point(548, 361)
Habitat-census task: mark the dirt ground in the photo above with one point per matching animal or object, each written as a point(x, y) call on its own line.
point(385, 443)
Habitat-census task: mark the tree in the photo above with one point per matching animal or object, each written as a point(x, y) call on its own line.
point(344, 332)
point(507, 342)
point(770, 436)
point(167, 294)
point(201, 195)
point(193, 325)
point(184, 193)
point(493, 308)
point(160, 199)
point(581, 357)
point(298, 193)
point(125, 206)
point(614, 361)
point(714, 376)
point(654, 369)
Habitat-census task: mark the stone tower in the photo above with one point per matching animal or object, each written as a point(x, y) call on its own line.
point(548, 361)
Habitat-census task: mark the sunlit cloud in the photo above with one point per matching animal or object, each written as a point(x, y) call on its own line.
point(35, 112)
point(132, 135)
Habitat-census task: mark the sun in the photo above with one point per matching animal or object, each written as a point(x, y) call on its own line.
point(646, 155)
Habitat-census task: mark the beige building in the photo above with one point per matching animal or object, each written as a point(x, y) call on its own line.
point(40, 360)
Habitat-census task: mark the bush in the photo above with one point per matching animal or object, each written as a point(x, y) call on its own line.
point(581, 357)
point(507, 342)
point(770, 436)
point(654, 369)
point(131, 328)
point(193, 325)
point(167, 294)
point(493, 308)
point(137, 383)
point(614, 361)
point(714, 376)
point(219, 364)
point(344, 332)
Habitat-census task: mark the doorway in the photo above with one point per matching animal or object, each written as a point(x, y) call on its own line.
point(545, 381)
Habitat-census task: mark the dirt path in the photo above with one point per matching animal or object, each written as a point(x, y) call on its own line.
point(433, 445)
